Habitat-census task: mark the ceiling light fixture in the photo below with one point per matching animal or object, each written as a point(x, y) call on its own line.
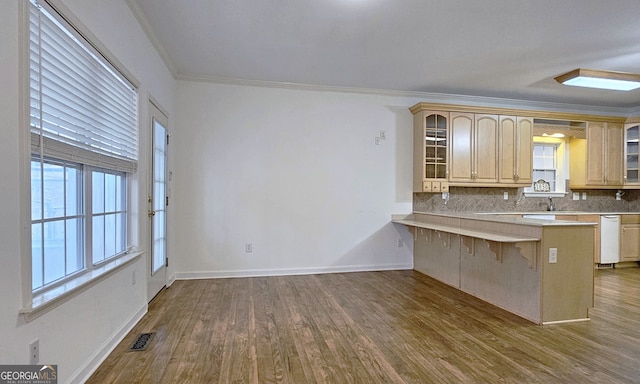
point(591, 78)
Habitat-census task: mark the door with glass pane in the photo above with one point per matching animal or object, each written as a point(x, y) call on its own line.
point(158, 204)
point(631, 140)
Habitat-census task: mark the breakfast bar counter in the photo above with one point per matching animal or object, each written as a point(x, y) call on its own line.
point(541, 270)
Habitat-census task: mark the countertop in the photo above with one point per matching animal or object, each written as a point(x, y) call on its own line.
point(498, 217)
point(557, 213)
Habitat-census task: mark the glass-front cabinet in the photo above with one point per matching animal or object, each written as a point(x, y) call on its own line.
point(631, 136)
point(435, 147)
point(431, 130)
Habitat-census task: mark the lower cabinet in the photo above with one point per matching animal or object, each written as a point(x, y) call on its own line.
point(630, 238)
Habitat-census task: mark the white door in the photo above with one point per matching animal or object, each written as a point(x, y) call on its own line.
point(158, 201)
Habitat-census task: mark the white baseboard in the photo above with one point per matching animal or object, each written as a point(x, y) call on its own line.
point(171, 280)
point(102, 353)
point(287, 271)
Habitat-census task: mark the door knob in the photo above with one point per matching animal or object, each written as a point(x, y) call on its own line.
point(151, 213)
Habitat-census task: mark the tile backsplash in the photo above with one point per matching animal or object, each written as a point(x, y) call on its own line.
point(473, 199)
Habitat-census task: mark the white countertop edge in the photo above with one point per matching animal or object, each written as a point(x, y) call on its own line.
point(495, 217)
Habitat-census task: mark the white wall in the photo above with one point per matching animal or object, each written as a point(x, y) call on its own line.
point(294, 172)
point(78, 333)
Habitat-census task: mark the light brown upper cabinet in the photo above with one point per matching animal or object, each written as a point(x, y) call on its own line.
point(631, 136)
point(474, 148)
point(430, 145)
point(515, 150)
point(463, 145)
point(597, 161)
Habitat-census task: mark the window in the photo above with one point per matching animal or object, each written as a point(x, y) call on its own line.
point(544, 164)
point(84, 147)
point(109, 214)
point(548, 166)
point(57, 221)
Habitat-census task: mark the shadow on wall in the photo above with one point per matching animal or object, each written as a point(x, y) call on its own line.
point(404, 157)
point(472, 199)
point(368, 254)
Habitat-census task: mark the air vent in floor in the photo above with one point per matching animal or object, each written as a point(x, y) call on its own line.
point(141, 343)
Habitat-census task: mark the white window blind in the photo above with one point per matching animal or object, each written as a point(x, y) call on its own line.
point(82, 109)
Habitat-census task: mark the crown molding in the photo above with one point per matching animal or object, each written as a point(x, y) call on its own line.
point(635, 112)
point(428, 97)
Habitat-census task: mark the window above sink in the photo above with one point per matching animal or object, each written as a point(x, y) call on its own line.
point(550, 164)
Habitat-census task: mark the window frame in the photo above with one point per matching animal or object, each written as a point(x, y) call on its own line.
point(34, 303)
point(91, 213)
point(562, 167)
point(42, 219)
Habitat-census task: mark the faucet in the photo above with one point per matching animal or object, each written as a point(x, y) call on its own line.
point(552, 205)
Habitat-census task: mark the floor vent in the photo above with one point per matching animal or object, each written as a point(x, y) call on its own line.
point(141, 343)
point(606, 266)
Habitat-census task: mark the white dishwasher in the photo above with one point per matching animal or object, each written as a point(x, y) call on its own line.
point(609, 239)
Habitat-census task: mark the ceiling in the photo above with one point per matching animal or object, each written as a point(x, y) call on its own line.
point(493, 48)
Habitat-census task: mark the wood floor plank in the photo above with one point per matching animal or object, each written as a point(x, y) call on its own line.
point(336, 332)
point(282, 330)
point(372, 327)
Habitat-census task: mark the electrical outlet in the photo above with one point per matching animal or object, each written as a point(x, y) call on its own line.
point(383, 135)
point(377, 140)
point(506, 196)
point(576, 195)
point(248, 248)
point(34, 352)
point(584, 195)
point(553, 255)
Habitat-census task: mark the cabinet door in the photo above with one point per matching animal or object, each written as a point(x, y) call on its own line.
point(604, 154)
point(515, 152)
point(461, 155)
point(595, 153)
point(430, 149)
point(485, 148)
point(507, 147)
point(614, 174)
point(630, 242)
point(631, 169)
point(524, 154)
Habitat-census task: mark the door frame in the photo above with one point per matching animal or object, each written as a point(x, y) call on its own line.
point(157, 281)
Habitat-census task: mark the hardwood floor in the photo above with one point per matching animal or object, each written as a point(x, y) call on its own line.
point(373, 327)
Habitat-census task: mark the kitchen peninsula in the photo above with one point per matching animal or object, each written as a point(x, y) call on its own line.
point(541, 270)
